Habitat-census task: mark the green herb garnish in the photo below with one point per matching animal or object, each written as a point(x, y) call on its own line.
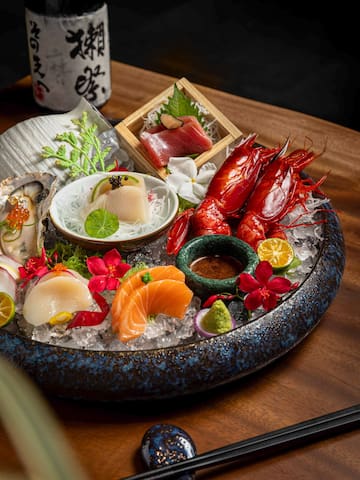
point(294, 264)
point(136, 268)
point(101, 223)
point(185, 204)
point(146, 278)
point(179, 104)
point(72, 256)
point(85, 156)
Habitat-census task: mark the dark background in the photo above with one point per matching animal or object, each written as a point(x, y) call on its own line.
point(297, 55)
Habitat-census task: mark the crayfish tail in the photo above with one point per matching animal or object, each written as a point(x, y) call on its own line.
point(251, 230)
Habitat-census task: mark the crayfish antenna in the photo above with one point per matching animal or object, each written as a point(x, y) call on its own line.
point(283, 150)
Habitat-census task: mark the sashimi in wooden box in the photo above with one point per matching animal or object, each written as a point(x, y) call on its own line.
point(178, 122)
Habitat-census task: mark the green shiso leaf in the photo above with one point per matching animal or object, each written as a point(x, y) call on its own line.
point(179, 104)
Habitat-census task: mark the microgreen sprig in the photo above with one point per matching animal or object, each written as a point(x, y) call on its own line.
point(86, 156)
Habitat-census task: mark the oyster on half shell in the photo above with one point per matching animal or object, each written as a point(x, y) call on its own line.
point(24, 206)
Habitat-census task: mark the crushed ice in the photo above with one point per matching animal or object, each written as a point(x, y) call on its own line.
point(165, 331)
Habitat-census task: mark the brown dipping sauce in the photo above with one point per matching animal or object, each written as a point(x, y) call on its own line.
point(217, 267)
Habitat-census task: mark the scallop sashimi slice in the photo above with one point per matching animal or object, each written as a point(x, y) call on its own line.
point(129, 204)
point(167, 296)
point(135, 281)
point(123, 195)
point(62, 292)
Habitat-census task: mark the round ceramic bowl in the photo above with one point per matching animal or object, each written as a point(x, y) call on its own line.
point(70, 203)
point(214, 246)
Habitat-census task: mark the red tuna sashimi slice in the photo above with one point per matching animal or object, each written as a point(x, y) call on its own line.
point(162, 143)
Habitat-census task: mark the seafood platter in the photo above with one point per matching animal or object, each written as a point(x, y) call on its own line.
point(162, 257)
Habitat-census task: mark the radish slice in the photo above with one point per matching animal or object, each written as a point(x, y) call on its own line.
point(11, 265)
point(215, 320)
point(7, 283)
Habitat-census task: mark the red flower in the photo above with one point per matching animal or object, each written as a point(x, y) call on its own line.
point(262, 289)
point(106, 271)
point(34, 267)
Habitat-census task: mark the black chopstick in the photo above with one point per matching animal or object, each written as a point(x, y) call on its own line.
point(262, 445)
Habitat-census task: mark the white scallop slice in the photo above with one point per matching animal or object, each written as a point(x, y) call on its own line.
point(57, 293)
point(129, 203)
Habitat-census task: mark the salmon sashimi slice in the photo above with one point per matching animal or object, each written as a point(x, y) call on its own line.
point(167, 296)
point(162, 143)
point(135, 281)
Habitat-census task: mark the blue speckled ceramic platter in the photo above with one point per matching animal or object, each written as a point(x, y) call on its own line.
point(173, 371)
point(191, 368)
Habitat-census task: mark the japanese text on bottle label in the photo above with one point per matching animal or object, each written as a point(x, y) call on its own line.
point(69, 58)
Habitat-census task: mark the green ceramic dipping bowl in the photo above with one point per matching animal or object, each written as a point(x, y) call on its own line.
point(214, 245)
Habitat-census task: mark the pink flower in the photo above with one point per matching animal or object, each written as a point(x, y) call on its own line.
point(106, 271)
point(262, 289)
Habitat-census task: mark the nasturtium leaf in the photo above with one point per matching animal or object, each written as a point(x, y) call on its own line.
point(101, 223)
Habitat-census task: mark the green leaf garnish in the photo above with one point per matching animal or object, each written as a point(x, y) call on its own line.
point(136, 268)
point(101, 223)
point(72, 256)
point(294, 264)
point(185, 204)
point(179, 104)
point(85, 156)
point(146, 278)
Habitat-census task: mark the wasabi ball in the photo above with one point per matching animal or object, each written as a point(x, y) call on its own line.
point(214, 320)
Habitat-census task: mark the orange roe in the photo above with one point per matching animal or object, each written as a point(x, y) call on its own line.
point(59, 268)
point(17, 216)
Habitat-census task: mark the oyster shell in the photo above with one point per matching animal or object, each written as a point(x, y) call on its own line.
point(24, 206)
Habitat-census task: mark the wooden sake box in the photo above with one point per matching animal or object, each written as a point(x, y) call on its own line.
point(129, 128)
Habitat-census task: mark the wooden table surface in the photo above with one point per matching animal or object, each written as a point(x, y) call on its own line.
point(318, 376)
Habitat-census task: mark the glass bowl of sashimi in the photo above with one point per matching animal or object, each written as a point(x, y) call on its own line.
point(125, 210)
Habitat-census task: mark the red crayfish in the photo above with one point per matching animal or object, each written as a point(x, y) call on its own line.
point(255, 186)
